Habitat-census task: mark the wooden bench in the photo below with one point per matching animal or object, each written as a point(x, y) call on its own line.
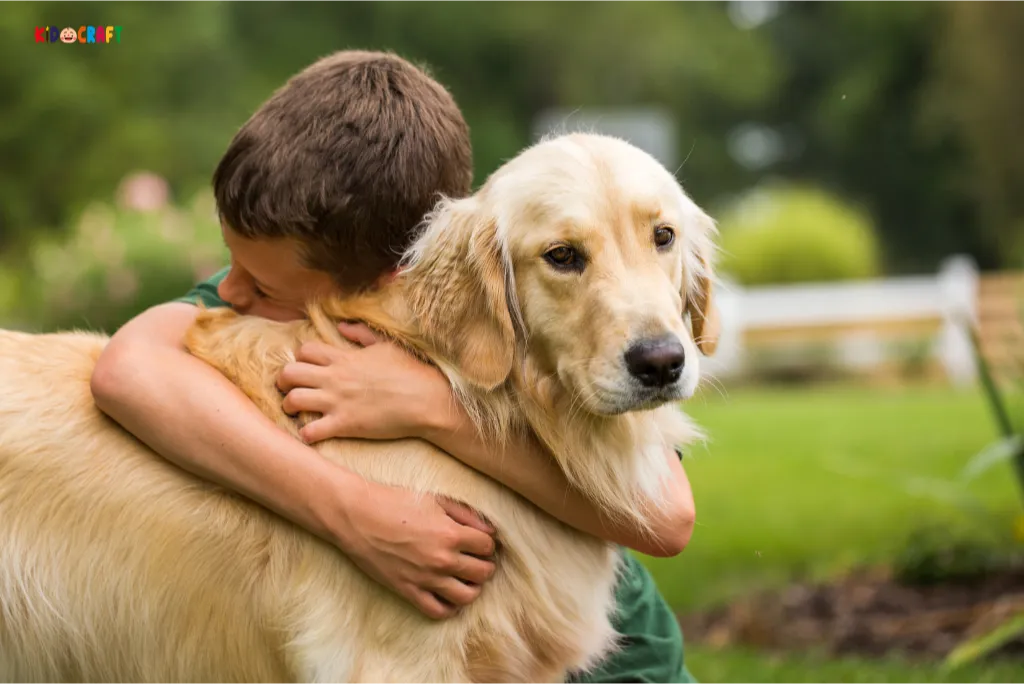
point(1000, 322)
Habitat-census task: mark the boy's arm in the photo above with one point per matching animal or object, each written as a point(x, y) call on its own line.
point(193, 416)
point(526, 467)
point(381, 392)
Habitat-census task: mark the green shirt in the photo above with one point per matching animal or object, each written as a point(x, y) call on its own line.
point(652, 644)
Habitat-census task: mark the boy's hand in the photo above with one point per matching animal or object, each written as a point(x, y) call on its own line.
point(432, 551)
point(378, 391)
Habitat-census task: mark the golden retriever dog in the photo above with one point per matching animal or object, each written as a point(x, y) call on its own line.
point(569, 296)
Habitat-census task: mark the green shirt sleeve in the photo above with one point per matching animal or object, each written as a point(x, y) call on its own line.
point(205, 293)
point(651, 648)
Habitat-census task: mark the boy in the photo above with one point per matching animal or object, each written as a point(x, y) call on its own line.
point(320, 192)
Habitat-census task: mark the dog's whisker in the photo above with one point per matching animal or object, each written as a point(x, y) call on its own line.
point(574, 408)
point(583, 399)
point(716, 384)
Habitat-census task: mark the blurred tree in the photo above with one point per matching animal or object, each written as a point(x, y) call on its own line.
point(849, 111)
point(977, 99)
point(835, 91)
point(77, 118)
point(168, 98)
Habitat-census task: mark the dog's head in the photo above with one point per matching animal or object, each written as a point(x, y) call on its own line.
point(585, 254)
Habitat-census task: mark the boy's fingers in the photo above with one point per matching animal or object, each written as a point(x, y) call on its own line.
point(464, 515)
point(477, 543)
point(316, 353)
point(357, 333)
point(432, 606)
point(455, 592)
point(474, 570)
point(318, 431)
point(304, 399)
point(298, 375)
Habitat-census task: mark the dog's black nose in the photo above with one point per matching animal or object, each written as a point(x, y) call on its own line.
point(656, 362)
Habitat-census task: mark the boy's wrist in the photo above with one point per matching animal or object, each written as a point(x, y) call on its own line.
point(436, 412)
point(440, 421)
point(336, 507)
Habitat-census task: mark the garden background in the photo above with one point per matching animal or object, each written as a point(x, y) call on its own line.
point(854, 526)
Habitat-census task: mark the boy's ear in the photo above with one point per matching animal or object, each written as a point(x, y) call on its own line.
point(458, 293)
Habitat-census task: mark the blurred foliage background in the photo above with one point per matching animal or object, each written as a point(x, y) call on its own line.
point(779, 234)
point(832, 140)
point(905, 112)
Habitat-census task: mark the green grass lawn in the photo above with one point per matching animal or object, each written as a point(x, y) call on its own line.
point(810, 482)
point(813, 481)
point(741, 665)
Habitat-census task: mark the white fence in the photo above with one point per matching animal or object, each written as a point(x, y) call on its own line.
point(858, 319)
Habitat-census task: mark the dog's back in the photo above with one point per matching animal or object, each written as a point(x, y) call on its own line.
point(119, 566)
point(116, 564)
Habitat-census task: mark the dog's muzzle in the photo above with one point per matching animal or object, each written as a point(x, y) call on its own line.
point(656, 362)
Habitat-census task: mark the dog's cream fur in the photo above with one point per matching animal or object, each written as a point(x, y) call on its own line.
point(116, 565)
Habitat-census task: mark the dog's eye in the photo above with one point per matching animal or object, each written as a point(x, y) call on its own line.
point(564, 258)
point(663, 237)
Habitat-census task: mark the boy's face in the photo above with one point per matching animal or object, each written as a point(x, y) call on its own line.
point(267, 278)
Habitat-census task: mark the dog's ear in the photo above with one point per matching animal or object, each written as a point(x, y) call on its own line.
point(698, 292)
point(458, 293)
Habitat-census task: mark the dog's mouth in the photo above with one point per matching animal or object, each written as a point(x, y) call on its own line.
point(605, 400)
point(648, 398)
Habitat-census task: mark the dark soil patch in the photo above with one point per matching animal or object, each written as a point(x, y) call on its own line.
point(866, 613)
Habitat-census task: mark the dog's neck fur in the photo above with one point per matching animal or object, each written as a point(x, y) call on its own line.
point(619, 462)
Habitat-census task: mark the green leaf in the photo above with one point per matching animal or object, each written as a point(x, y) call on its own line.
point(982, 645)
point(996, 399)
point(995, 453)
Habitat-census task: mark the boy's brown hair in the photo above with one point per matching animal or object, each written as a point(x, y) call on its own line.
point(347, 157)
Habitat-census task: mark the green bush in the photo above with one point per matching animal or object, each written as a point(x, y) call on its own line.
point(792, 234)
point(937, 555)
point(9, 291)
point(112, 264)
